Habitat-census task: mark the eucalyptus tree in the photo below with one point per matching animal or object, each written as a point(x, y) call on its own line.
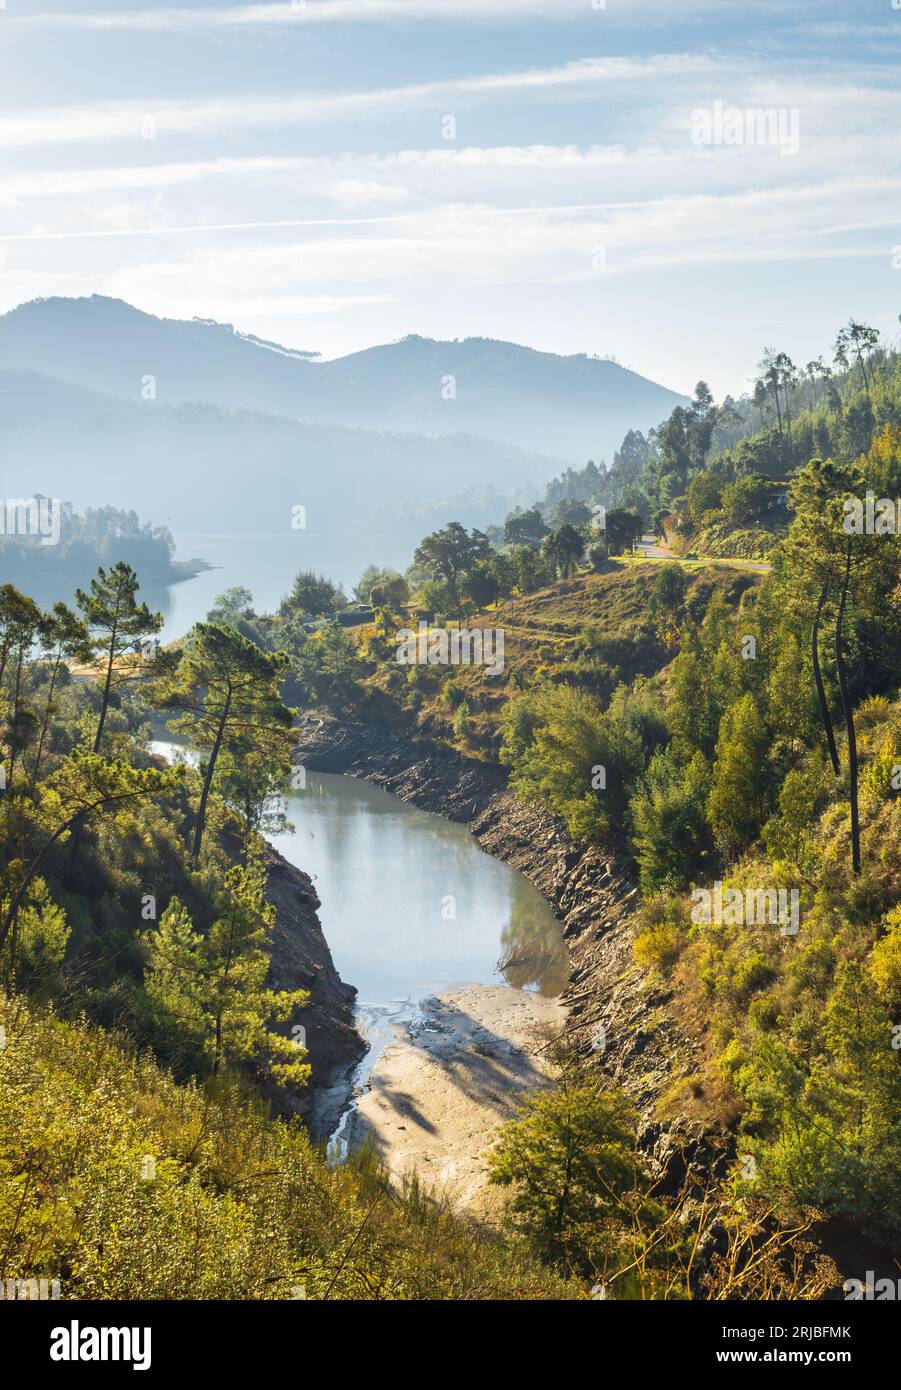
point(858, 341)
point(833, 569)
point(760, 398)
point(816, 371)
point(771, 381)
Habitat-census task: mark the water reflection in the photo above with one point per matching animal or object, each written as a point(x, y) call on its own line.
point(410, 902)
point(533, 957)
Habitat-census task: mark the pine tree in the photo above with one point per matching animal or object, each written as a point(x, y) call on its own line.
point(229, 692)
point(214, 985)
point(567, 1159)
point(120, 626)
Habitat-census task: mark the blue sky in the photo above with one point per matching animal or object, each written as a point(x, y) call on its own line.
point(287, 168)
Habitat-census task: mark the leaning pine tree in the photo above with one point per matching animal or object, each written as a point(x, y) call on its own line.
point(229, 692)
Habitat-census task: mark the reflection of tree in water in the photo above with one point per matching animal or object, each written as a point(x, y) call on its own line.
point(533, 953)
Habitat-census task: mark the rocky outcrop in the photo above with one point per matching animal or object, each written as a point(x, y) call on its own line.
point(424, 773)
point(301, 959)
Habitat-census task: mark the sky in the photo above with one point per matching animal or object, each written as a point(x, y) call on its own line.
point(568, 174)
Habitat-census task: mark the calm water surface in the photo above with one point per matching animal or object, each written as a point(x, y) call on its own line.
point(411, 904)
point(266, 564)
point(409, 900)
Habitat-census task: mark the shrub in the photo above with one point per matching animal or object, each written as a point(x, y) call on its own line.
point(452, 693)
point(598, 555)
point(461, 720)
point(124, 1185)
point(661, 934)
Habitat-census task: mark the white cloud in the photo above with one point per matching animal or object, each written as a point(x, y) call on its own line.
point(118, 120)
point(472, 243)
point(67, 183)
point(181, 19)
point(187, 229)
point(214, 191)
point(354, 192)
point(310, 12)
point(347, 176)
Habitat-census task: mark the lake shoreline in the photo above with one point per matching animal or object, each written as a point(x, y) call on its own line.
point(180, 571)
point(301, 958)
point(470, 920)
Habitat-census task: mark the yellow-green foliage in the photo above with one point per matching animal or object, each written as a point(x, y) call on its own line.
point(721, 539)
point(42, 931)
point(661, 932)
point(122, 1184)
point(806, 1026)
point(566, 1159)
point(591, 629)
point(885, 964)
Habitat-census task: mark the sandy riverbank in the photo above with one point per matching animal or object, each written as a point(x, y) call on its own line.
point(440, 1091)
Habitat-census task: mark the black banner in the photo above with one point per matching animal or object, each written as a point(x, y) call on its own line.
point(91, 1340)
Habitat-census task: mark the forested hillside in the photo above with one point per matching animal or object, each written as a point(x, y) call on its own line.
point(714, 478)
point(139, 1029)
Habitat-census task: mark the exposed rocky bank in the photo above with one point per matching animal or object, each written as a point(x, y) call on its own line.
point(301, 959)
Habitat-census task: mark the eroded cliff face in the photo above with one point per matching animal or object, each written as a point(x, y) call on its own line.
point(616, 1013)
point(301, 959)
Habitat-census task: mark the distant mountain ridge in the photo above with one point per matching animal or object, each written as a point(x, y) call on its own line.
point(571, 408)
point(200, 468)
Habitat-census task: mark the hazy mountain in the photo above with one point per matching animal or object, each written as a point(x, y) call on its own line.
point(573, 408)
point(200, 468)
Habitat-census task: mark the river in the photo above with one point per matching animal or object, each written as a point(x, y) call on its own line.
point(411, 904)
